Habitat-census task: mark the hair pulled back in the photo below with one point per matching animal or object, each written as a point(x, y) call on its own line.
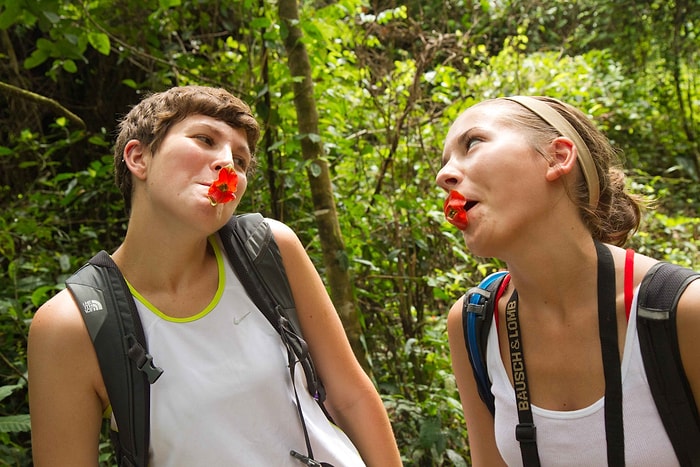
point(617, 213)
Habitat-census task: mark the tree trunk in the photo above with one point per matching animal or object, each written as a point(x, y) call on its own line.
point(332, 244)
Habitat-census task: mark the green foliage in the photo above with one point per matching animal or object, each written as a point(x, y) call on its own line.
point(49, 229)
point(66, 40)
point(428, 421)
point(671, 227)
point(13, 428)
point(388, 82)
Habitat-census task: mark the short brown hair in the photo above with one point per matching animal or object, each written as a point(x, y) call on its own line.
point(149, 122)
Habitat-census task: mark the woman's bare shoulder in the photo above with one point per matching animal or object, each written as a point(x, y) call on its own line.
point(57, 330)
point(60, 311)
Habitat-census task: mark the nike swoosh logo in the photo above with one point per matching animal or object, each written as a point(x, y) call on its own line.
point(237, 320)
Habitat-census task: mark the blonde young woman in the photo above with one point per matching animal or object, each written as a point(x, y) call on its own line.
point(542, 191)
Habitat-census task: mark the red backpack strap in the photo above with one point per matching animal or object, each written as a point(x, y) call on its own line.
point(629, 281)
point(499, 293)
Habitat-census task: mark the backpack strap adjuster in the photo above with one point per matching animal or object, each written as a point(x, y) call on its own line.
point(526, 432)
point(653, 314)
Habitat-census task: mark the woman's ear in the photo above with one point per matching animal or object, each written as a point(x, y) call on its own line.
point(135, 158)
point(564, 156)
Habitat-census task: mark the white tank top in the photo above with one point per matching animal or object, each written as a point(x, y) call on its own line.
point(577, 437)
point(225, 397)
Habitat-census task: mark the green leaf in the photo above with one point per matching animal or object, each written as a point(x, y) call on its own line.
point(64, 262)
point(40, 295)
point(260, 23)
point(37, 57)
point(52, 16)
point(45, 44)
point(100, 42)
point(315, 169)
point(7, 390)
point(9, 16)
point(431, 433)
point(131, 83)
point(456, 459)
point(15, 424)
point(70, 66)
point(98, 140)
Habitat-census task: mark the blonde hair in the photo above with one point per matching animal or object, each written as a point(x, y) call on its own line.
point(613, 214)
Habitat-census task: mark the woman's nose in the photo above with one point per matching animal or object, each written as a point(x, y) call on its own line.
point(223, 158)
point(447, 177)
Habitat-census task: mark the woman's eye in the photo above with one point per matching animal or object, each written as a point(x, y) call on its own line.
point(472, 141)
point(241, 162)
point(205, 139)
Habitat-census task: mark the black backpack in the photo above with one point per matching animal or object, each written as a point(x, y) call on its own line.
point(128, 370)
point(659, 293)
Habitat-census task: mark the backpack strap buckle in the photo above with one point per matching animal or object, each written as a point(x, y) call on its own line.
point(143, 360)
point(306, 460)
point(476, 300)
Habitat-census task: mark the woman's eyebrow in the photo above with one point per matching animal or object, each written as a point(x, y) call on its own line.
point(197, 125)
point(467, 134)
point(460, 141)
point(462, 137)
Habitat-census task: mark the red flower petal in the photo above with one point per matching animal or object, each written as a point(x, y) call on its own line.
point(454, 210)
point(223, 189)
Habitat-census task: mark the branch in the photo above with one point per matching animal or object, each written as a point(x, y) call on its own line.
point(42, 100)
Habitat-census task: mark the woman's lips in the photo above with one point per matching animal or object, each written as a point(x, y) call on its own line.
point(455, 209)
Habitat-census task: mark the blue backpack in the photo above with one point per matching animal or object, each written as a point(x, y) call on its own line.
point(659, 293)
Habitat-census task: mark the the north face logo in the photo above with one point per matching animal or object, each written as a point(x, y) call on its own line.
point(92, 305)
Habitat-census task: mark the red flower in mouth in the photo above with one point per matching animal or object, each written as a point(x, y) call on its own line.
point(454, 209)
point(223, 189)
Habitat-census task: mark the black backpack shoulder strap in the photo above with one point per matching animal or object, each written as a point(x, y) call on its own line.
point(112, 321)
point(659, 293)
point(256, 259)
point(477, 315)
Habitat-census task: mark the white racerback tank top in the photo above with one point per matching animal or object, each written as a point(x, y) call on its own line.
point(577, 438)
point(225, 397)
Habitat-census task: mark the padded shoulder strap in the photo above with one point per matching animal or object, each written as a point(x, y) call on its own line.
point(477, 314)
point(110, 315)
point(656, 326)
point(261, 247)
point(256, 258)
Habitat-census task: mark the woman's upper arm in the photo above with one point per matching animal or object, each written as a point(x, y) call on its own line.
point(688, 325)
point(480, 428)
point(352, 399)
point(319, 320)
point(65, 406)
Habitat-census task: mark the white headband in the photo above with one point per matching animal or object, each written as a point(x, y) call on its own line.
point(554, 118)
